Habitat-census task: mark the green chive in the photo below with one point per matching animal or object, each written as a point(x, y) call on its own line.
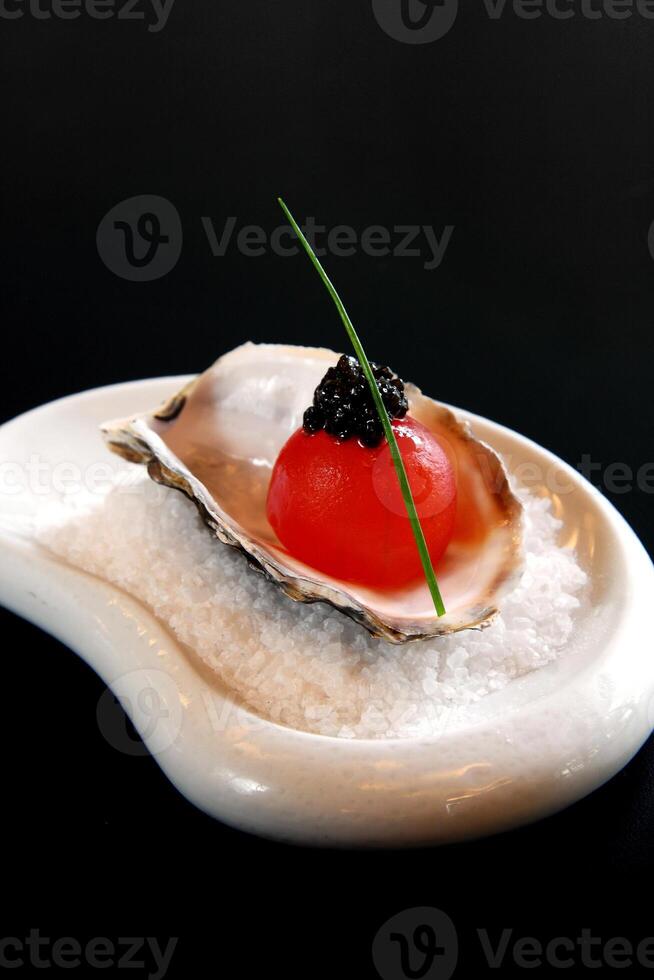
point(396, 456)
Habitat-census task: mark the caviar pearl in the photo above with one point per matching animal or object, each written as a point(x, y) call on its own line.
point(343, 405)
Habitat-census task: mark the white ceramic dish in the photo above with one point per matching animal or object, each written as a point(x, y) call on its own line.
point(545, 741)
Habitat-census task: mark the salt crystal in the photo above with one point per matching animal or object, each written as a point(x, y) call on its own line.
point(308, 667)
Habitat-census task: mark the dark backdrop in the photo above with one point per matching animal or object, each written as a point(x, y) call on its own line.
point(532, 138)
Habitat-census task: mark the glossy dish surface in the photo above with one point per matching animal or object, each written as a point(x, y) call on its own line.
point(546, 740)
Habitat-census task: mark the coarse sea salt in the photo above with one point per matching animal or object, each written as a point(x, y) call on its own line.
point(308, 666)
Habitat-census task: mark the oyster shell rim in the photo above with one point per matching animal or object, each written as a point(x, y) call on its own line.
point(124, 440)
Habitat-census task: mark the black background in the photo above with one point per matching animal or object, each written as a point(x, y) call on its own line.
point(534, 139)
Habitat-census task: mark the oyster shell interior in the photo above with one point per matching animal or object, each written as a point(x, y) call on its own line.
point(217, 441)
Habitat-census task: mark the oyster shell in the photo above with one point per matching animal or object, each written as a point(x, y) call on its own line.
point(217, 441)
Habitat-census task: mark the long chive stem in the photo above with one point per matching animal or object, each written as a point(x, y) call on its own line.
point(396, 456)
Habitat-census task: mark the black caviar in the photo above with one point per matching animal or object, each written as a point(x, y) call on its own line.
point(343, 405)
